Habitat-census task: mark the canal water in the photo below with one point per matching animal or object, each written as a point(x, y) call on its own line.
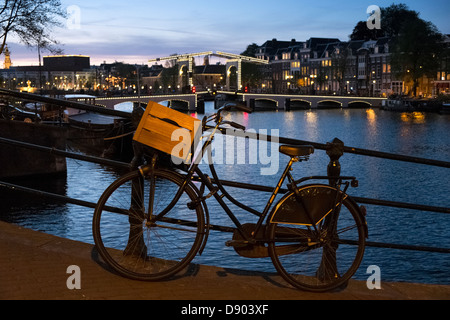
point(424, 135)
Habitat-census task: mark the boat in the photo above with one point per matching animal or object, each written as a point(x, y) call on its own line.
point(98, 134)
point(445, 108)
point(397, 104)
point(18, 162)
point(407, 104)
point(94, 122)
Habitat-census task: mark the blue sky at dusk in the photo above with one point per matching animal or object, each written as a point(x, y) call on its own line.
point(135, 31)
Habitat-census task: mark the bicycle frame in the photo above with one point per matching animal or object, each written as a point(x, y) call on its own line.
point(155, 245)
point(194, 169)
point(213, 191)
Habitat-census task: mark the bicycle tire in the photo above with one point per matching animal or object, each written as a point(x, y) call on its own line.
point(320, 259)
point(147, 250)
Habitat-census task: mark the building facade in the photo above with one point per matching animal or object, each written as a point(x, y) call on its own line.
point(68, 72)
point(333, 67)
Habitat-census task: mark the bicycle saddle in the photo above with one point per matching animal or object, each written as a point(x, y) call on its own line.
point(296, 151)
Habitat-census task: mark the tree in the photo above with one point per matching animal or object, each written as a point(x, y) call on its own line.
point(30, 20)
point(361, 32)
point(250, 51)
point(251, 73)
point(416, 44)
point(392, 20)
point(416, 51)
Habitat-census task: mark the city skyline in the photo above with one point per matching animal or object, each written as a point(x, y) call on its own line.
point(136, 31)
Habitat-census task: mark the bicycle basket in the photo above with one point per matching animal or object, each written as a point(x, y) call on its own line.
point(169, 131)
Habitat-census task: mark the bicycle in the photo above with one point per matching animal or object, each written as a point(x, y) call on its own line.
point(150, 223)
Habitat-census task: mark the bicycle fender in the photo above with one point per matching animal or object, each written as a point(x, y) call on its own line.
point(316, 202)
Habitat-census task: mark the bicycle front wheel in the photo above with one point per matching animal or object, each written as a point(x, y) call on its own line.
point(131, 241)
point(316, 245)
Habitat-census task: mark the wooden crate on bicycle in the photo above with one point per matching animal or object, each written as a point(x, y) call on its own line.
point(168, 130)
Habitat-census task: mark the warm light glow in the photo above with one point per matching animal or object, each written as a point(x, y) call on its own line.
point(414, 117)
point(311, 118)
point(371, 116)
point(66, 55)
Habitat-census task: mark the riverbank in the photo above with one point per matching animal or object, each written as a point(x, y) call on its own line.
point(34, 265)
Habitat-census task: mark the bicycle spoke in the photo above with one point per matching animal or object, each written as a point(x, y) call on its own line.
point(134, 245)
point(319, 261)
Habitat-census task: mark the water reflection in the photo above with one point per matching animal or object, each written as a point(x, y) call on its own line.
point(312, 129)
point(35, 211)
point(371, 116)
point(372, 127)
point(413, 117)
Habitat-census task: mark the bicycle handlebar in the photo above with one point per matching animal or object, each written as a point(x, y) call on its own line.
point(226, 107)
point(229, 106)
point(234, 125)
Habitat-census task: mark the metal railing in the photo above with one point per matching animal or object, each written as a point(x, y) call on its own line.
point(234, 184)
point(334, 150)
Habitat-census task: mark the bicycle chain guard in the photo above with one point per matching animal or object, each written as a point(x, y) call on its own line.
point(249, 250)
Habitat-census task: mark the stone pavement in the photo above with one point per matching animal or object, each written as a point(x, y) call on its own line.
point(33, 265)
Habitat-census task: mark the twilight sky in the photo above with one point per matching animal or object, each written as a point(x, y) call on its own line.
point(134, 31)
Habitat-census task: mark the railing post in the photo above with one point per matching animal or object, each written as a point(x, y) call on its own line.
point(136, 245)
point(335, 150)
point(328, 267)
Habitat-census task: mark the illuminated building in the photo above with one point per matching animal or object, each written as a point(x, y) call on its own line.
point(63, 72)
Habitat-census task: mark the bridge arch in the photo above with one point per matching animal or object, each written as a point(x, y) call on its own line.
point(329, 104)
point(184, 76)
point(300, 104)
point(232, 77)
point(359, 104)
point(128, 106)
point(266, 104)
point(176, 104)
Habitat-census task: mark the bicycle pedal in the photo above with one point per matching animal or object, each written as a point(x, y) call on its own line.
point(236, 243)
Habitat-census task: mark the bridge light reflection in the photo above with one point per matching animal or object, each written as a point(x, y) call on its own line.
point(414, 117)
point(311, 118)
point(371, 116)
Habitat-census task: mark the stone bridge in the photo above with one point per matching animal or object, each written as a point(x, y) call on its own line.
point(189, 102)
point(181, 101)
point(291, 102)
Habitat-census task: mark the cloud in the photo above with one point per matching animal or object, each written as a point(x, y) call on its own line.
point(137, 30)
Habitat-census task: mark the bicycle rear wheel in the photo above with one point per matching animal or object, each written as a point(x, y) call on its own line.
point(140, 248)
point(321, 258)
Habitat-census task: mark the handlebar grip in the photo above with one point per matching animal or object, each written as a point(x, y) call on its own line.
point(228, 106)
point(236, 125)
point(244, 108)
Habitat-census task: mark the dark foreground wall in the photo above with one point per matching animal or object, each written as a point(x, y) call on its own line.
point(19, 162)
